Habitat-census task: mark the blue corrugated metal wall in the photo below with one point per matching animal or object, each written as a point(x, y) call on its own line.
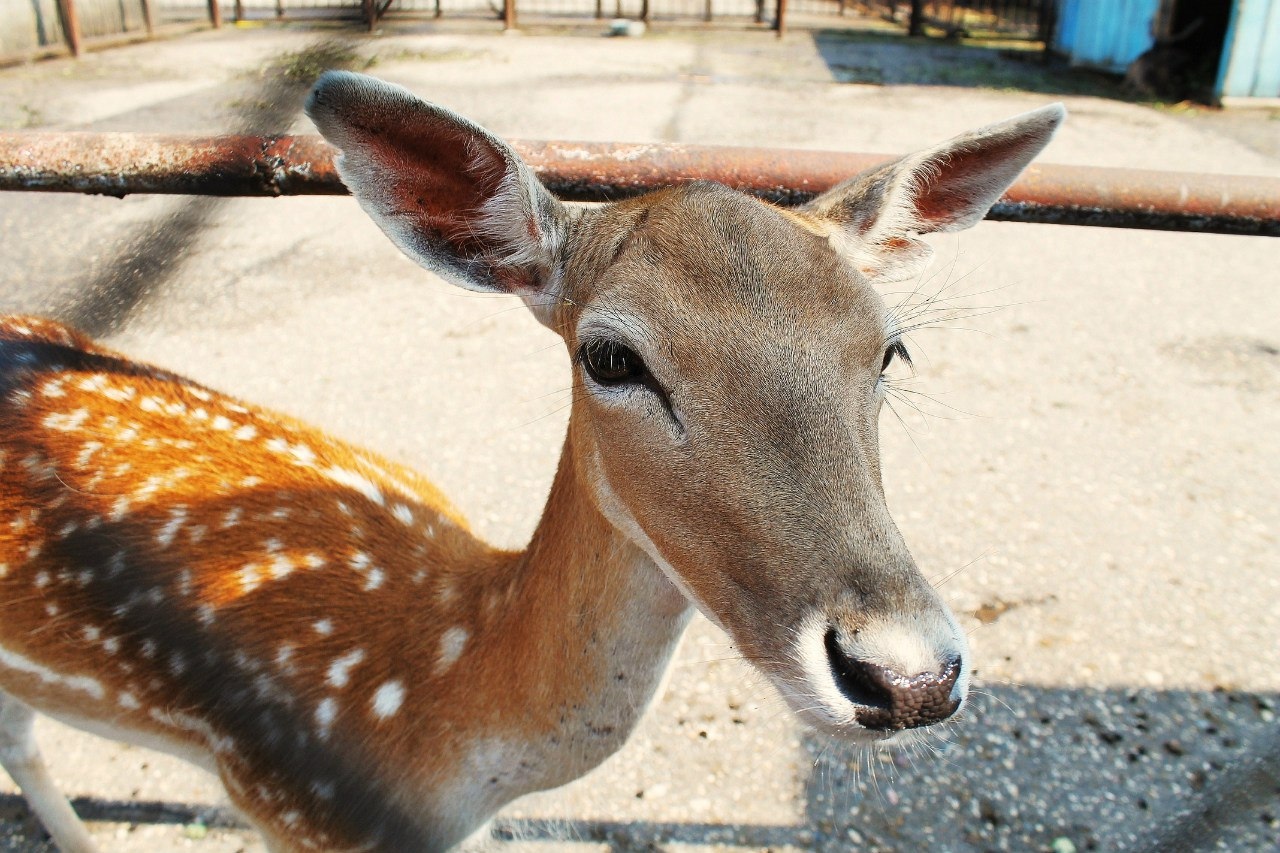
point(1251, 56)
point(1105, 33)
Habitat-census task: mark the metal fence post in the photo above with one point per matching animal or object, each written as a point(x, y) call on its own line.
point(215, 14)
point(70, 25)
point(147, 18)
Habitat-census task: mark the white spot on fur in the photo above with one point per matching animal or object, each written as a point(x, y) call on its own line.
point(54, 388)
point(232, 518)
point(387, 699)
point(177, 518)
point(129, 702)
point(246, 432)
point(284, 658)
point(66, 422)
point(96, 382)
point(374, 579)
point(339, 674)
point(250, 577)
point(81, 683)
point(326, 713)
point(303, 455)
point(86, 453)
point(37, 467)
point(323, 627)
point(280, 567)
point(403, 514)
point(452, 643)
point(149, 487)
point(356, 481)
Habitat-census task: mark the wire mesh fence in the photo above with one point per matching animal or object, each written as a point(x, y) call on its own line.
point(653, 10)
point(1030, 19)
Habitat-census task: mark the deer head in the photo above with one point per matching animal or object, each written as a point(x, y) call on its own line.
point(728, 360)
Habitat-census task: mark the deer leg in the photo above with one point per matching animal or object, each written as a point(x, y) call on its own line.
point(21, 758)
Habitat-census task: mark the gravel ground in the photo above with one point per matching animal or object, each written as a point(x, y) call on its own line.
point(1090, 479)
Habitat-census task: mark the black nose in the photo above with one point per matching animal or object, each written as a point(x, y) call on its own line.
point(892, 700)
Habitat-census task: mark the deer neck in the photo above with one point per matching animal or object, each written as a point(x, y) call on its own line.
point(576, 639)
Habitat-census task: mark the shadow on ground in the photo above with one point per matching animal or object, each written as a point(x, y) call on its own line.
point(888, 59)
point(1029, 769)
point(144, 263)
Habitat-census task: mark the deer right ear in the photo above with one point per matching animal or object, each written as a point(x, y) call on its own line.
point(451, 195)
point(876, 214)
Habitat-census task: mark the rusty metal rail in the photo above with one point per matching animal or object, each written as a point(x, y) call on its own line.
point(120, 164)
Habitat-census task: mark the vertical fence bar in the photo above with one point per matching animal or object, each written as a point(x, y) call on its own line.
point(147, 19)
point(215, 14)
point(508, 14)
point(781, 23)
point(70, 25)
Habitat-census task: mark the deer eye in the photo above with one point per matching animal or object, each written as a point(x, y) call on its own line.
point(895, 348)
point(612, 363)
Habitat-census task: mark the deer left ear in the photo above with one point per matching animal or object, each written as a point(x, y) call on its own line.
point(946, 188)
point(451, 195)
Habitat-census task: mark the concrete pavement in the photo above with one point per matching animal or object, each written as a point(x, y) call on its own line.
point(1092, 477)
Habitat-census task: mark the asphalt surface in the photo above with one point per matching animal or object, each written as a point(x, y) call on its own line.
point(1091, 476)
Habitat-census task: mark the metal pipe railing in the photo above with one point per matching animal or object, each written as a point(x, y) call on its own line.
point(120, 164)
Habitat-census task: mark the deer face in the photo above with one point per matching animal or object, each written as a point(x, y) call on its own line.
point(727, 358)
point(728, 371)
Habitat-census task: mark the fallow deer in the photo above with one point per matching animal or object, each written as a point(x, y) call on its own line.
point(316, 625)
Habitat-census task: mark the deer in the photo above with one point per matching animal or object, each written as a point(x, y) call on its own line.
point(317, 626)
